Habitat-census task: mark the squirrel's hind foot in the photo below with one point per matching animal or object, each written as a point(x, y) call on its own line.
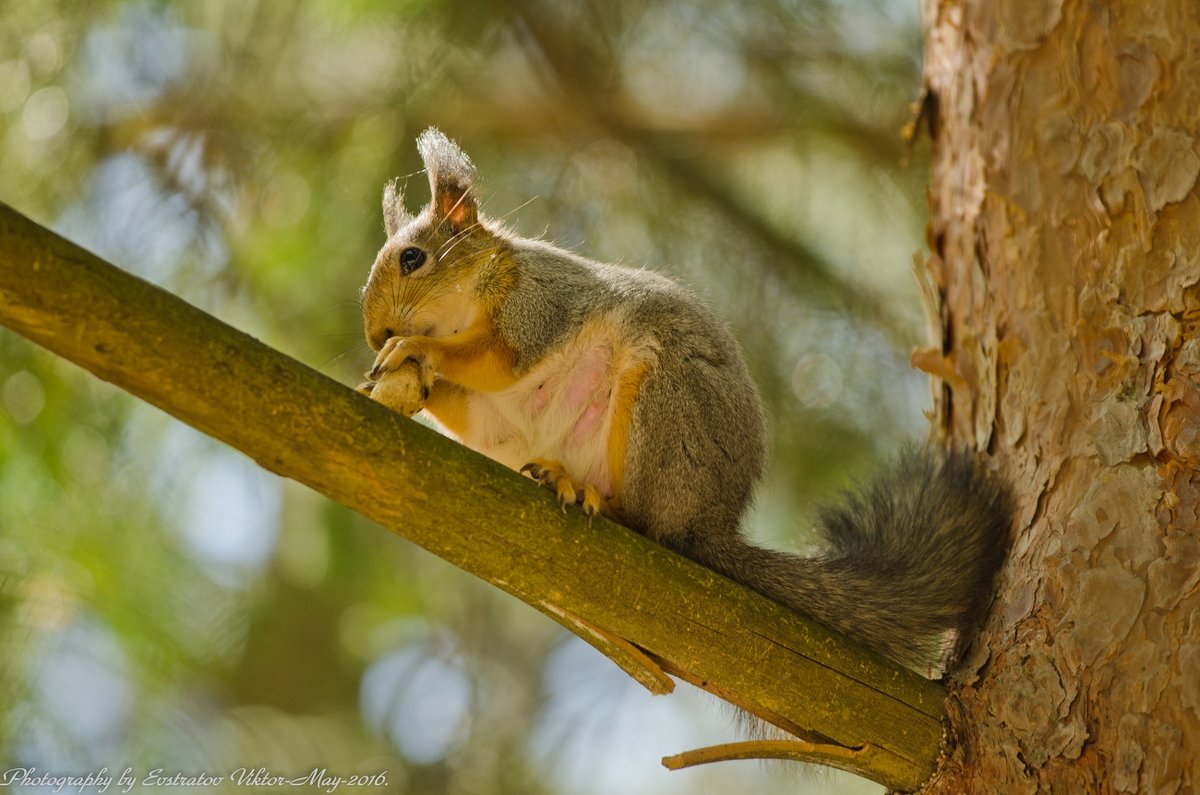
point(552, 475)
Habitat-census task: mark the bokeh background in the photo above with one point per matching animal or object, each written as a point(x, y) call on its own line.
point(166, 604)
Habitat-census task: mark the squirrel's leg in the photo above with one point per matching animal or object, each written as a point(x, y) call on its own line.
point(447, 404)
point(551, 473)
point(625, 398)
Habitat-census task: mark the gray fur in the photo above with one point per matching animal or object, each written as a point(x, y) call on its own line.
point(698, 442)
point(555, 292)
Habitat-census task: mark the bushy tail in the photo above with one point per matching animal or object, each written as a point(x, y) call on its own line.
point(911, 555)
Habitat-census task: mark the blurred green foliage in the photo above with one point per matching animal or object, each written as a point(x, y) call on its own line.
point(165, 604)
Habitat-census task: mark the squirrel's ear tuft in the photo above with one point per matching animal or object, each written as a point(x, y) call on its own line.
point(394, 213)
point(450, 179)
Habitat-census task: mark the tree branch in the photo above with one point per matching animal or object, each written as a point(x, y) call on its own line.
point(602, 581)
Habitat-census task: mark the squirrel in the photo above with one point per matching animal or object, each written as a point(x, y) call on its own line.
point(619, 390)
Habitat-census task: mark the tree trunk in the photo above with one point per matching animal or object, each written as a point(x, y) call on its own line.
point(1065, 228)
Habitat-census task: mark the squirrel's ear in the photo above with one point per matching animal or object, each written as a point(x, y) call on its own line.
point(450, 180)
point(394, 214)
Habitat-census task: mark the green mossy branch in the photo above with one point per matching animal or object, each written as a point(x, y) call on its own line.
point(639, 603)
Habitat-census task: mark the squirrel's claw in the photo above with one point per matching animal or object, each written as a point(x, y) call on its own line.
point(552, 475)
point(387, 358)
point(365, 388)
point(591, 502)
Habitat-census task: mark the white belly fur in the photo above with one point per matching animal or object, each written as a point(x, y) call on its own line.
point(562, 410)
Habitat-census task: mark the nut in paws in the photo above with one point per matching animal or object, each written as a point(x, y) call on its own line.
point(403, 389)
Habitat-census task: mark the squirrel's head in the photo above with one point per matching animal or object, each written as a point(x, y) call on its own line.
point(438, 269)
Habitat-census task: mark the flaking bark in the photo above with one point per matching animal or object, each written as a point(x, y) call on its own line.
point(1066, 235)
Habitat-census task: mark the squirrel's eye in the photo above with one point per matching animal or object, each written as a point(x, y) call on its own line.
point(411, 258)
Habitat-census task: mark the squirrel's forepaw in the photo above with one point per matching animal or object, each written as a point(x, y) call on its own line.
point(552, 475)
point(393, 355)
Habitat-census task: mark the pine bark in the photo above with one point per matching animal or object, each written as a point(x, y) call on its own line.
point(1065, 238)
